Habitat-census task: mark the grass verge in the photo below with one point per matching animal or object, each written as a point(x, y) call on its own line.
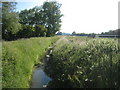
point(19, 57)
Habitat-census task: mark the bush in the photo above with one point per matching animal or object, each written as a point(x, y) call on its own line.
point(84, 63)
point(40, 31)
point(26, 31)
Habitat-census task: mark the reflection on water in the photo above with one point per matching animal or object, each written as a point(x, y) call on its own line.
point(39, 78)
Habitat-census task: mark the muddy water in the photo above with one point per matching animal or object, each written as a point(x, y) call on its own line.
point(39, 78)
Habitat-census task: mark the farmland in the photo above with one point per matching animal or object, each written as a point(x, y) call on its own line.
point(82, 62)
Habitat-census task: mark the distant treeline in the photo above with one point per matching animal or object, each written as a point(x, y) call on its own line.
point(40, 21)
point(76, 34)
point(110, 32)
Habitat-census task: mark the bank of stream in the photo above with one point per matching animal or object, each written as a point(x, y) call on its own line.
point(41, 76)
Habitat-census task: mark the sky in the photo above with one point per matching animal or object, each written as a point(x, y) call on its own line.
point(82, 16)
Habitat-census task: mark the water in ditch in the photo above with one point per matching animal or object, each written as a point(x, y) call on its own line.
point(39, 78)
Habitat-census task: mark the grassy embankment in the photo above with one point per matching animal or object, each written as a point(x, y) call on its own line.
point(82, 62)
point(19, 57)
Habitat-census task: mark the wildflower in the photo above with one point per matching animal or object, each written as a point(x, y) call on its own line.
point(44, 85)
point(91, 80)
point(77, 66)
point(86, 79)
point(81, 72)
point(99, 76)
point(90, 68)
point(47, 56)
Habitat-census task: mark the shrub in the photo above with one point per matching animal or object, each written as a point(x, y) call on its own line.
point(40, 31)
point(26, 31)
point(85, 63)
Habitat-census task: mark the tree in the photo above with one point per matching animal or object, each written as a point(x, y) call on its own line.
point(38, 15)
point(24, 17)
point(27, 17)
point(59, 33)
point(52, 17)
point(48, 15)
point(111, 32)
point(10, 20)
point(40, 31)
point(26, 31)
point(73, 33)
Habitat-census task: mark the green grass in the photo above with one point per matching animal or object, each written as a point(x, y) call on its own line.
point(0, 65)
point(19, 57)
point(82, 62)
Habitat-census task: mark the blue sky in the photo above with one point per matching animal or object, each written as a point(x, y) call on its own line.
point(25, 5)
point(86, 16)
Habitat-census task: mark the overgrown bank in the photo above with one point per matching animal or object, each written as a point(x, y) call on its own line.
point(80, 62)
point(19, 57)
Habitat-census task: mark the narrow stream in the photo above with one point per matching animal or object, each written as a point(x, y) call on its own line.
point(39, 78)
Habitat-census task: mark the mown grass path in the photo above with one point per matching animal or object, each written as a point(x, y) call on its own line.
point(62, 39)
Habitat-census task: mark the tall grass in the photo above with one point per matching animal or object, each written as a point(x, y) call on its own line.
point(19, 57)
point(85, 63)
point(0, 65)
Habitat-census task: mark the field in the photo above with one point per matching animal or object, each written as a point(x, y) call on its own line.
point(76, 62)
point(82, 62)
point(19, 57)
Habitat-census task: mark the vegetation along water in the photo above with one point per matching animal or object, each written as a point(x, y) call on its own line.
point(77, 60)
point(19, 57)
point(82, 62)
